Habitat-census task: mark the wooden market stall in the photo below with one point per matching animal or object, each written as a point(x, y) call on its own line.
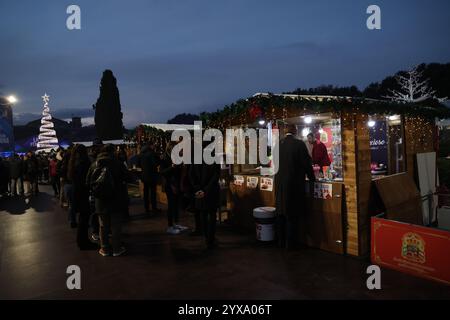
point(367, 140)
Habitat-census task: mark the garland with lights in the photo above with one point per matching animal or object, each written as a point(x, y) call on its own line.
point(273, 107)
point(142, 135)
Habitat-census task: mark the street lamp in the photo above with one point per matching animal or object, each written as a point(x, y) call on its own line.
point(11, 99)
point(6, 101)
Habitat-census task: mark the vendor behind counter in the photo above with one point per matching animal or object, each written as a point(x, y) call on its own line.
point(317, 151)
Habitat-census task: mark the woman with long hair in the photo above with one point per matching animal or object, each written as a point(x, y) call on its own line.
point(78, 168)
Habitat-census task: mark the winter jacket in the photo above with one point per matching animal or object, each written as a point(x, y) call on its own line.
point(16, 168)
point(149, 162)
point(118, 203)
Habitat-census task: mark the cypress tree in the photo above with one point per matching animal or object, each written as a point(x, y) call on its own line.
point(108, 114)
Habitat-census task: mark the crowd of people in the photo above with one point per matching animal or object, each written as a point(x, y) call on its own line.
point(92, 184)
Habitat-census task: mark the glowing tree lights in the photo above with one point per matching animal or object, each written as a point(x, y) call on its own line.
point(47, 135)
point(413, 88)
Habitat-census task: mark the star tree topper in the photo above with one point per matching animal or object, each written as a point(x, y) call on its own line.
point(46, 98)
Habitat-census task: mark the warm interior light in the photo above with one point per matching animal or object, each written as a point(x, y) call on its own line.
point(261, 122)
point(394, 117)
point(305, 132)
point(371, 123)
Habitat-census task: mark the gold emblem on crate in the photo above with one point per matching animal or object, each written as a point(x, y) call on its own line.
point(413, 247)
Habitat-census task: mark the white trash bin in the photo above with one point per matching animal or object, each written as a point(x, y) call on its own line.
point(265, 218)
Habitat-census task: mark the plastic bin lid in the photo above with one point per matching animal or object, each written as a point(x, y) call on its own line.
point(264, 212)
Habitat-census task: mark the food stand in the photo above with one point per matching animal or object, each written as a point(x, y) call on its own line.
point(338, 218)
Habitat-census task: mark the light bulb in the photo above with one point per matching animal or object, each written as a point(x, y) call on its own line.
point(305, 132)
point(308, 119)
point(12, 99)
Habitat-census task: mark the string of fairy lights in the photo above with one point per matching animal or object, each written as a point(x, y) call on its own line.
point(416, 118)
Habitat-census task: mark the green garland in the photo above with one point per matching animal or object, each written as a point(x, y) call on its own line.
point(429, 109)
point(151, 132)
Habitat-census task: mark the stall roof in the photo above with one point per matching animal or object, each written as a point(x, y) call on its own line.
point(308, 96)
point(115, 142)
point(171, 127)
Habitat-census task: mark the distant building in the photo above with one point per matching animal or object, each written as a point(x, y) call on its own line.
point(76, 123)
point(6, 126)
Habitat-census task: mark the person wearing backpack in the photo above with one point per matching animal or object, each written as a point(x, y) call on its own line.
point(106, 179)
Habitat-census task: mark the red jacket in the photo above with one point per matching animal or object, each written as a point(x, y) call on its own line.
point(52, 168)
point(320, 154)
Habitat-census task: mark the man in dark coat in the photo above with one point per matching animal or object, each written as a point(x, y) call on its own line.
point(294, 165)
point(148, 161)
point(205, 182)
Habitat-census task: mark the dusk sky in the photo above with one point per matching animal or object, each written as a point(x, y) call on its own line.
point(171, 56)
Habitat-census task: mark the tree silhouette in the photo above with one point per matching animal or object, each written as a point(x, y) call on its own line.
point(184, 118)
point(108, 114)
point(330, 90)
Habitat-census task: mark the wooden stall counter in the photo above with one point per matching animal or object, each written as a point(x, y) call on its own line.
point(322, 225)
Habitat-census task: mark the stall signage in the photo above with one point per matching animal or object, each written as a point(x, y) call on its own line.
point(252, 182)
point(416, 250)
point(321, 190)
point(266, 184)
point(239, 180)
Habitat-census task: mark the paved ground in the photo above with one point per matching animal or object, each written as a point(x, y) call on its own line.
point(37, 245)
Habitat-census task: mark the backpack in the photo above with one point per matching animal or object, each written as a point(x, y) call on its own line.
point(102, 183)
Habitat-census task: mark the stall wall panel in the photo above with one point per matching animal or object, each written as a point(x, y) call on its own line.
point(348, 123)
point(322, 226)
point(356, 160)
point(364, 181)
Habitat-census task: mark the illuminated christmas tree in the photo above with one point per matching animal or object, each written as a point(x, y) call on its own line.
point(47, 135)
